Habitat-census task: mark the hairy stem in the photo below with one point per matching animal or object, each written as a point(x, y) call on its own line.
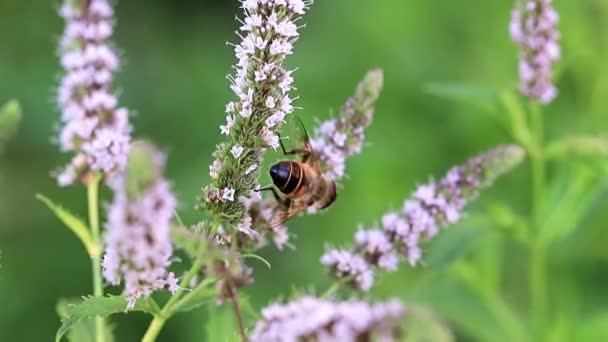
point(538, 281)
point(93, 204)
point(237, 311)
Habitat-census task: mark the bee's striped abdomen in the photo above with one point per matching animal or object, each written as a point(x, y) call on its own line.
point(287, 176)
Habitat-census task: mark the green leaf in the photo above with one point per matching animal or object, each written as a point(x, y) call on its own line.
point(201, 295)
point(485, 99)
point(75, 224)
point(571, 196)
point(247, 307)
point(594, 328)
point(101, 307)
point(422, 325)
point(83, 331)
point(191, 241)
point(586, 146)
point(452, 244)
point(506, 219)
point(222, 325)
point(517, 117)
point(10, 117)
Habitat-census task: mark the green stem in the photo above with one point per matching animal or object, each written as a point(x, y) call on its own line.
point(538, 276)
point(93, 204)
point(167, 311)
point(332, 289)
point(503, 314)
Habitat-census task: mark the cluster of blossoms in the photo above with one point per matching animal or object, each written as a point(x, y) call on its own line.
point(432, 206)
point(335, 140)
point(533, 27)
point(93, 125)
point(338, 139)
point(138, 242)
point(314, 319)
point(262, 87)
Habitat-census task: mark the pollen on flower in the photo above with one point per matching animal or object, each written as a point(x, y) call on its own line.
point(214, 169)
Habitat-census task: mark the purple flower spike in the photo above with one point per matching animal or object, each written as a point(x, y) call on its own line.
point(138, 244)
point(533, 28)
point(94, 127)
point(314, 319)
point(432, 206)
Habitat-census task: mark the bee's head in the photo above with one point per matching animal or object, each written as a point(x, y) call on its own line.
point(279, 173)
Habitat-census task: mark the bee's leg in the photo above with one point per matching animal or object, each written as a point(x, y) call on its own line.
point(284, 202)
point(305, 153)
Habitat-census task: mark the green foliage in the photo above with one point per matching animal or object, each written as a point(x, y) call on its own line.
point(485, 100)
point(75, 224)
point(584, 146)
point(100, 307)
point(84, 330)
point(10, 117)
point(422, 325)
point(203, 294)
point(221, 325)
point(142, 168)
point(593, 328)
point(451, 245)
point(571, 195)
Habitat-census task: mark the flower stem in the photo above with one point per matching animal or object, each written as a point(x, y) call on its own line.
point(93, 204)
point(167, 311)
point(538, 277)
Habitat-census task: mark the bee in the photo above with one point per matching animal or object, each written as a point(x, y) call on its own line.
point(301, 184)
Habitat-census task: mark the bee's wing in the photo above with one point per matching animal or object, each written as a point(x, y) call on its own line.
point(298, 134)
point(281, 214)
point(301, 140)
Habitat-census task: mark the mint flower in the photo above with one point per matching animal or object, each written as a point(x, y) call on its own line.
point(533, 28)
point(261, 85)
point(338, 139)
point(138, 244)
point(314, 319)
point(94, 127)
point(344, 264)
point(334, 142)
point(431, 207)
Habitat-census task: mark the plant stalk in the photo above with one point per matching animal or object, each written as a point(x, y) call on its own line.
point(167, 311)
point(93, 204)
point(538, 273)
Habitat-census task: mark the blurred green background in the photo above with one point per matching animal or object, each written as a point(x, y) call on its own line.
point(175, 63)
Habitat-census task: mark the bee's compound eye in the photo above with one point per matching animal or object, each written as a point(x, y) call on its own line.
point(279, 173)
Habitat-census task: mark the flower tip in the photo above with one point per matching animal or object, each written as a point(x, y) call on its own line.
point(372, 84)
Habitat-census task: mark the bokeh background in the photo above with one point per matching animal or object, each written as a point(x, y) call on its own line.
point(175, 63)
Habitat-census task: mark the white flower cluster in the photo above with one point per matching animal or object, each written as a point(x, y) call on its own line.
point(93, 125)
point(262, 87)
